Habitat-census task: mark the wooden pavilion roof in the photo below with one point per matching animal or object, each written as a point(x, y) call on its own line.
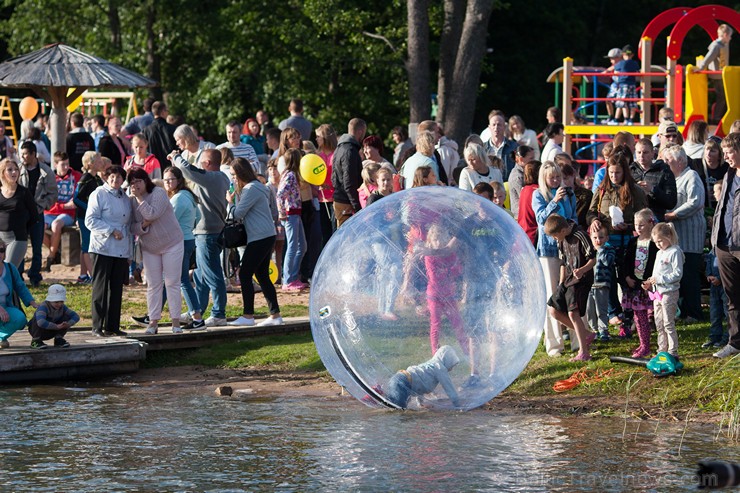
point(59, 65)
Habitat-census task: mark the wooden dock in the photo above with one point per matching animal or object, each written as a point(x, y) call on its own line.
point(93, 357)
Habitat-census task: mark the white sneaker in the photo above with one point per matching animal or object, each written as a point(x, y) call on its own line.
point(177, 330)
point(243, 322)
point(271, 321)
point(150, 331)
point(726, 351)
point(185, 318)
point(215, 322)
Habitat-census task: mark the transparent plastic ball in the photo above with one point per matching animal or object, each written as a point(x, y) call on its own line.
point(418, 281)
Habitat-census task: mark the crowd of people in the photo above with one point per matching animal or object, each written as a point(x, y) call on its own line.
point(621, 249)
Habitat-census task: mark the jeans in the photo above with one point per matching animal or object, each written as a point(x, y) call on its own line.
point(690, 291)
point(188, 292)
point(295, 248)
point(717, 313)
point(399, 390)
point(36, 235)
point(209, 276)
point(729, 272)
point(596, 309)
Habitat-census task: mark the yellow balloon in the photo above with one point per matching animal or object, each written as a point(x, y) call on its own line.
point(28, 108)
point(273, 272)
point(71, 107)
point(313, 169)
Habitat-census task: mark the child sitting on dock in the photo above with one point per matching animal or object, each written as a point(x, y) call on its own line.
point(418, 380)
point(52, 319)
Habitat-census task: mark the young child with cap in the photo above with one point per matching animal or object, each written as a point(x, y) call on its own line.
point(52, 319)
point(614, 55)
point(626, 86)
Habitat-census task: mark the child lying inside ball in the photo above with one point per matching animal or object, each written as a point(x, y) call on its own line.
point(418, 380)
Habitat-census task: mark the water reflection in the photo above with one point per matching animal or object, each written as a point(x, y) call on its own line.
point(147, 439)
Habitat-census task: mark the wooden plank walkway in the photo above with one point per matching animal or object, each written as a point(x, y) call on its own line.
point(90, 356)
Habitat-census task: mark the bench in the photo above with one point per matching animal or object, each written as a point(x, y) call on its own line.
point(69, 246)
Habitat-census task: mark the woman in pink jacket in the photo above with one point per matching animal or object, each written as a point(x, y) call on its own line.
point(162, 246)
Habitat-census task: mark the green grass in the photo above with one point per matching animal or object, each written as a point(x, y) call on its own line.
point(134, 304)
point(706, 384)
point(292, 352)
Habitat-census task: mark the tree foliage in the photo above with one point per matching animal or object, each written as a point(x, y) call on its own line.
point(219, 60)
point(225, 59)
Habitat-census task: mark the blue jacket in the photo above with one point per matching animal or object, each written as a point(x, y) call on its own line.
point(547, 246)
point(13, 280)
point(604, 268)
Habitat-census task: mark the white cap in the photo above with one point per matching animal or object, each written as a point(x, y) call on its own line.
point(614, 53)
point(56, 293)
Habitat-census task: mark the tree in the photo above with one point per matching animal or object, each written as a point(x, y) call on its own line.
point(461, 53)
point(457, 105)
point(417, 63)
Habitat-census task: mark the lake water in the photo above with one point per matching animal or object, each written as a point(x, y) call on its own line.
point(128, 438)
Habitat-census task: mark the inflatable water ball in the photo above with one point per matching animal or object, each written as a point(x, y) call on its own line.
point(430, 298)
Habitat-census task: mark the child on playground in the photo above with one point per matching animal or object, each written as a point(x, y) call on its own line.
point(568, 303)
point(598, 296)
point(626, 86)
point(614, 56)
point(52, 319)
point(418, 380)
point(639, 259)
point(664, 282)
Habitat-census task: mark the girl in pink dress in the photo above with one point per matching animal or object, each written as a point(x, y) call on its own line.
point(444, 272)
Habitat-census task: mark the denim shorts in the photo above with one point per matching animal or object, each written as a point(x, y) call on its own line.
point(65, 218)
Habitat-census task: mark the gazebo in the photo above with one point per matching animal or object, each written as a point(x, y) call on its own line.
point(54, 69)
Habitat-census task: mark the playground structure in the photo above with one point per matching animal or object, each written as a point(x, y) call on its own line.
point(89, 103)
point(684, 89)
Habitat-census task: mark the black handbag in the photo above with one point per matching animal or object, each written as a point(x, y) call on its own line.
point(235, 234)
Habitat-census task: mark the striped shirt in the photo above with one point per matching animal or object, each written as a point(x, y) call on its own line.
point(690, 223)
point(245, 151)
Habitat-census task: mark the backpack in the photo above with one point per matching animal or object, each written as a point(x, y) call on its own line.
point(663, 365)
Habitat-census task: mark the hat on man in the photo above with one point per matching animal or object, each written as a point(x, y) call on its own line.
point(668, 127)
point(56, 293)
point(627, 49)
point(614, 53)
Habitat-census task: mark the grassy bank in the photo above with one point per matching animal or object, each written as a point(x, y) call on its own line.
point(706, 385)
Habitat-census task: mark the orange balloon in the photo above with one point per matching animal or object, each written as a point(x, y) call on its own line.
point(28, 108)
